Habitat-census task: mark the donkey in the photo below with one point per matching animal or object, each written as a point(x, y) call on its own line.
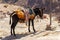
point(15, 20)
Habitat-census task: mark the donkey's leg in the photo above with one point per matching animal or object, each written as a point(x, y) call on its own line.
point(33, 25)
point(14, 24)
point(11, 28)
point(29, 26)
point(26, 23)
point(14, 31)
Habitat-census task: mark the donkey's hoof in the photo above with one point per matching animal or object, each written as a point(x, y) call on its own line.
point(11, 34)
point(34, 30)
point(29, 31)
point(15, 35)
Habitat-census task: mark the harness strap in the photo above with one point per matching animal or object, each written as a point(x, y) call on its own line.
point(33, 11)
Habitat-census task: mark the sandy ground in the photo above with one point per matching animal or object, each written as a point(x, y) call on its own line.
point(23, 34)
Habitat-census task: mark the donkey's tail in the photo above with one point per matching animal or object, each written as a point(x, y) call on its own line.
point(10, 20)
point(11, 16)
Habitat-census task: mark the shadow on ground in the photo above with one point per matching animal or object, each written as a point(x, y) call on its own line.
point(0, 37)
point(18, 36)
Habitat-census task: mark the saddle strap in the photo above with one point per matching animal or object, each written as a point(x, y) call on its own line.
point(31, 11)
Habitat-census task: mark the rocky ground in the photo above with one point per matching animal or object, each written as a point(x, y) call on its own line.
point(22, 30)
point(23, 34)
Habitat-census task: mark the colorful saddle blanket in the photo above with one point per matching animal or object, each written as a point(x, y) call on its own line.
point(20, 14)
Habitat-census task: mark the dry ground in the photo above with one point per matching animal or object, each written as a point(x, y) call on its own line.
point(23, 34)
point(21, 29)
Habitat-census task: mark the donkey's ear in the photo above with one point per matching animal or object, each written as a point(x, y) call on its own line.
point(39, 8)
point(43, 8)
